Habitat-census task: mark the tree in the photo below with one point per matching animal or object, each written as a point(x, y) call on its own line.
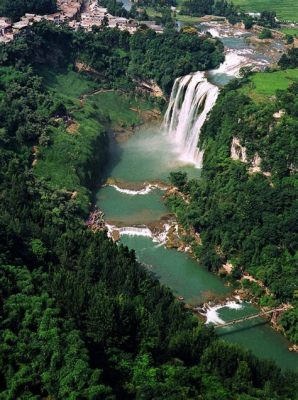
point(18, 8)
point(178, 179)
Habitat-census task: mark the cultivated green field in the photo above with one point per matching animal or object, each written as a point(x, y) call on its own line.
point(285, 9)
point(265, 84)
point(290, 31)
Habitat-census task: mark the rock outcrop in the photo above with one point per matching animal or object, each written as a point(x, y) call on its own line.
point(238, 152)
point(149, 87)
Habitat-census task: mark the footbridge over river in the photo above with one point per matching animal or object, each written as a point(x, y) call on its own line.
point(274, 312)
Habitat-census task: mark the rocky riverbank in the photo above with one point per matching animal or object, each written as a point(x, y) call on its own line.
point(185, 240)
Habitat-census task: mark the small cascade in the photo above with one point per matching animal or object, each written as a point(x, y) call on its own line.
point(211, 312)
point(191, 100)
point(146, 190)
point(135, 231)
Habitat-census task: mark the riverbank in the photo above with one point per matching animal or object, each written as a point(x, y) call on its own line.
point(82, 138)
point(167, 232)
point(186, 239)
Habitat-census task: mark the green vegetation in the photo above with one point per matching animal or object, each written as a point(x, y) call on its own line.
point(157, 3)
point(120, 57)
point(290, 31)
point(75, 88)
point(289, 60)
point(67, 162)
point(80, 318)
point(188, 19)
point(261, 85)
point(162, 57)
point(231, 11)
point(285, 9)
point(122, 110)
point(67, 84)
point(153, 13)
point(199, 8)
point(17, 8)
point(245, 215)
point(265, 34)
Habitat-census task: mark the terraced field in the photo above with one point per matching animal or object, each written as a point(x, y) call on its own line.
point(285, 9)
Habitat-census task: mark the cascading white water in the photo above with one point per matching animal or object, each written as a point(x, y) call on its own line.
point(129, 231)
point(191, 100)
point(135, 231)
point(211, 312)
point(146, 190)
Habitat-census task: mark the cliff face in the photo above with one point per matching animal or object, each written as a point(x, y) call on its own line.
point(239, 153)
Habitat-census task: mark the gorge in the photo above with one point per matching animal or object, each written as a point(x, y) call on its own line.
point(84, 316)
point(150, 155)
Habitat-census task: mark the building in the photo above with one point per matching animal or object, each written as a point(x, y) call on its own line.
point(20, 25)
point(5, 26)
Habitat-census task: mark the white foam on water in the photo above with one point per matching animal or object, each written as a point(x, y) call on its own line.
point(234, 60)
point(211, 312)
point(214, 32)
point(135, 231)
point(161, 237)
point(146, 190)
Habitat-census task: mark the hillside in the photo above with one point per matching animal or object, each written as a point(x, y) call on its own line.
point(80, 317)
point(244, 204)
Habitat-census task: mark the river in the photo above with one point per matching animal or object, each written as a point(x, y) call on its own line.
point(130, 202)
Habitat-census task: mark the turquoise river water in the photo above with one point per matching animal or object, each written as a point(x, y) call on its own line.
point(149, 156)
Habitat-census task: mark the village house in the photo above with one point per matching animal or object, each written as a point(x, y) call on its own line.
point(20, 25)
point(5, 26)
point(69, 11)
point(6, 34)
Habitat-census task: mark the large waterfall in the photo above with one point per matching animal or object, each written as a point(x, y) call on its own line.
point(191, 100)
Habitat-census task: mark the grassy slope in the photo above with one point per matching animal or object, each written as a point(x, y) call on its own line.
point(264, 84)
point(58, 162)
point(285, 9)
point(63, 161)
point(121, 109)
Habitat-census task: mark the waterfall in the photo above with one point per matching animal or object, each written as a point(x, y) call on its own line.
point(135, 231)
point(211, 312)
point(191, 100)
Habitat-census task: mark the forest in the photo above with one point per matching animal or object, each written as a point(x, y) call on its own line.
point(246, 212)
point(117, 55)
point(17, 8)
point(80, 317)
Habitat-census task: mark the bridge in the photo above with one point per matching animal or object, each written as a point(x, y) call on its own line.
point(249, 317)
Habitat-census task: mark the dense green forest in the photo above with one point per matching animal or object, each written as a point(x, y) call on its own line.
point(17, 8)
point(117, 55)
point(80, 318)
point(246, 217)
